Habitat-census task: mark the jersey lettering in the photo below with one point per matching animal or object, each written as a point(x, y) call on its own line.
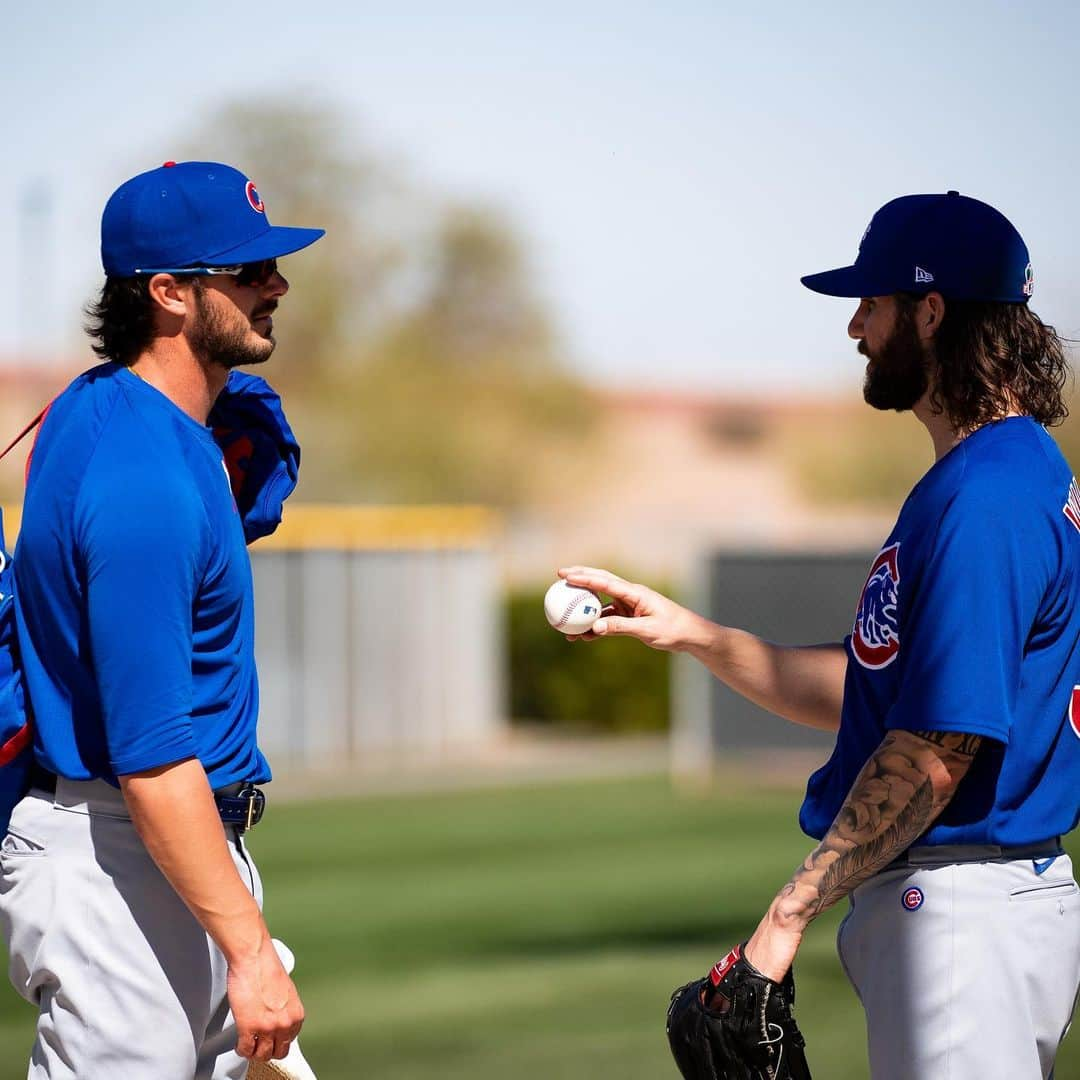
point(875, 637)
point(1071, 509)
point(1074, 711)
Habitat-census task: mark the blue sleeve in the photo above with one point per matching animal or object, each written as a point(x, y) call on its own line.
point(142, 540)
point(261, 453)
point(965, 621)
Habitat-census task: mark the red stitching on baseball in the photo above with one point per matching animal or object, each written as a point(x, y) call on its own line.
point(570, 609)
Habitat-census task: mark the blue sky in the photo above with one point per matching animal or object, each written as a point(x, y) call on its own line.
point(674, 169)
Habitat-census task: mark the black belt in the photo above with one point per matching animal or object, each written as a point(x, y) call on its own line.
point(240, 805)
point(940, 854)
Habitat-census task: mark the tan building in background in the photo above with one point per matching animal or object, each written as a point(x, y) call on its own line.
point(670, 477)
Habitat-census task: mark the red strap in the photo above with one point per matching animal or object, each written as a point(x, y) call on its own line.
point(15, 745)
point(25, 431)
point(22, 738)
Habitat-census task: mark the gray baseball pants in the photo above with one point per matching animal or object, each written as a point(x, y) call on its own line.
point(966, 970)
point(127, 984)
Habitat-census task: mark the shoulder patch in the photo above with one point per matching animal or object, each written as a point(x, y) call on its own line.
point(1071, 509)
point(875, 637)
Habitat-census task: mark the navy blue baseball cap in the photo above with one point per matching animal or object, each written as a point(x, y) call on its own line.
point(951, 244)
point(187, 214)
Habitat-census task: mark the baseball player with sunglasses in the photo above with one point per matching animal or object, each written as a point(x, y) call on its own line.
point(129, 903)
point(955, 698)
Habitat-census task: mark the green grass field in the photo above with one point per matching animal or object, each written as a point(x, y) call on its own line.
point(533, 933)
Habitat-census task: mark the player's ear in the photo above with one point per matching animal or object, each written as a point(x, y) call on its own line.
point(929, 314)
point(172, 297)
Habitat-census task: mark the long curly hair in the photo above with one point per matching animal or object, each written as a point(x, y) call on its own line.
point(993, 358)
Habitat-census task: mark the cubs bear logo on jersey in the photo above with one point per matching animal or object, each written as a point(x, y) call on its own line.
point(875, 637)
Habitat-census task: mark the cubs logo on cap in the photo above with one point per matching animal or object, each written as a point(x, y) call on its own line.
point(253, 198)
point(912, 899)
point(875, 637)
point(1028, 288)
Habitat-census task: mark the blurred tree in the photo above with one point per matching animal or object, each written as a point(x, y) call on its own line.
point(463, 398)
point(418, 361)
point(312, 171)
point(478, 307)
point(858, 457)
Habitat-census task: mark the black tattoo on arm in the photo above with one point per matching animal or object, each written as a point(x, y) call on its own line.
point(905, 785)
point(856, 865)
point(956, 742)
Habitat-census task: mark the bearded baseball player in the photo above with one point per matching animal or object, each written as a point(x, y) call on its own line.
point(955, 698)
point(130, 906)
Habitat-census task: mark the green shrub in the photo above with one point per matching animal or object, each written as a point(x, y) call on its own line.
point(615, 685)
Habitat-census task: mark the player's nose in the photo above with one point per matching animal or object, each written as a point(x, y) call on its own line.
point(277, 285)
point(856, 328)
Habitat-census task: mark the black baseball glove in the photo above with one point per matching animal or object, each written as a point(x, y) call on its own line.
point(736, 1024)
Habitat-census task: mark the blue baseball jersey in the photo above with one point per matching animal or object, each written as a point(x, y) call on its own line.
point(133, 590)
point(969, 621)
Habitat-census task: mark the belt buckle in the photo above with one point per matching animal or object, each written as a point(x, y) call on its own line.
point(256, 803)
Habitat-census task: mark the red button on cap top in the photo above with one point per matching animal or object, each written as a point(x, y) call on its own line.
point(168, 164)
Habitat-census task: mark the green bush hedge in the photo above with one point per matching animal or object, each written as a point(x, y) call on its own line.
point(615, 685)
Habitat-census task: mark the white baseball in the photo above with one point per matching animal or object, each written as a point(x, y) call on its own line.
point(571, 609)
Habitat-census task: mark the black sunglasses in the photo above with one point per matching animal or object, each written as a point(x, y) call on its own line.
point(253, 274)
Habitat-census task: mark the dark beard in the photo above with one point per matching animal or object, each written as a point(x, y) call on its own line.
point(214, 342)
point(896, 377)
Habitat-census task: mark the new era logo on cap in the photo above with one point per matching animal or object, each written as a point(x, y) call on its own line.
point(923, 277)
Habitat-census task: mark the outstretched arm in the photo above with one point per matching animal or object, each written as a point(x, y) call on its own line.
point(804, 684)
point(897, 796)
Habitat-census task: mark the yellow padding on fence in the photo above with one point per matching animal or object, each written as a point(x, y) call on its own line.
point(353, 528)
point(325, 526)
point(12, 518)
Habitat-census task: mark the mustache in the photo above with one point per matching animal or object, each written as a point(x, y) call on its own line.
point(862, 349)
point(268, 309)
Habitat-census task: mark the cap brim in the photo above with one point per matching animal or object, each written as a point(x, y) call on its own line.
point(278, 240)
point(845, 281)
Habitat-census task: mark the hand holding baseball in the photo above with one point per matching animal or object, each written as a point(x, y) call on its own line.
point(265, 1005)
point(635, 611)
point(293, 1066)
point(571, 609)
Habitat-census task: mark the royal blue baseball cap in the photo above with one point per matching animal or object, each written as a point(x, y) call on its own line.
point(951, 244)
point(191, 213)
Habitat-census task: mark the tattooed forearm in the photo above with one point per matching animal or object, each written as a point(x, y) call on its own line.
point(907, 782)
point(856, 865)
point(957, 742)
